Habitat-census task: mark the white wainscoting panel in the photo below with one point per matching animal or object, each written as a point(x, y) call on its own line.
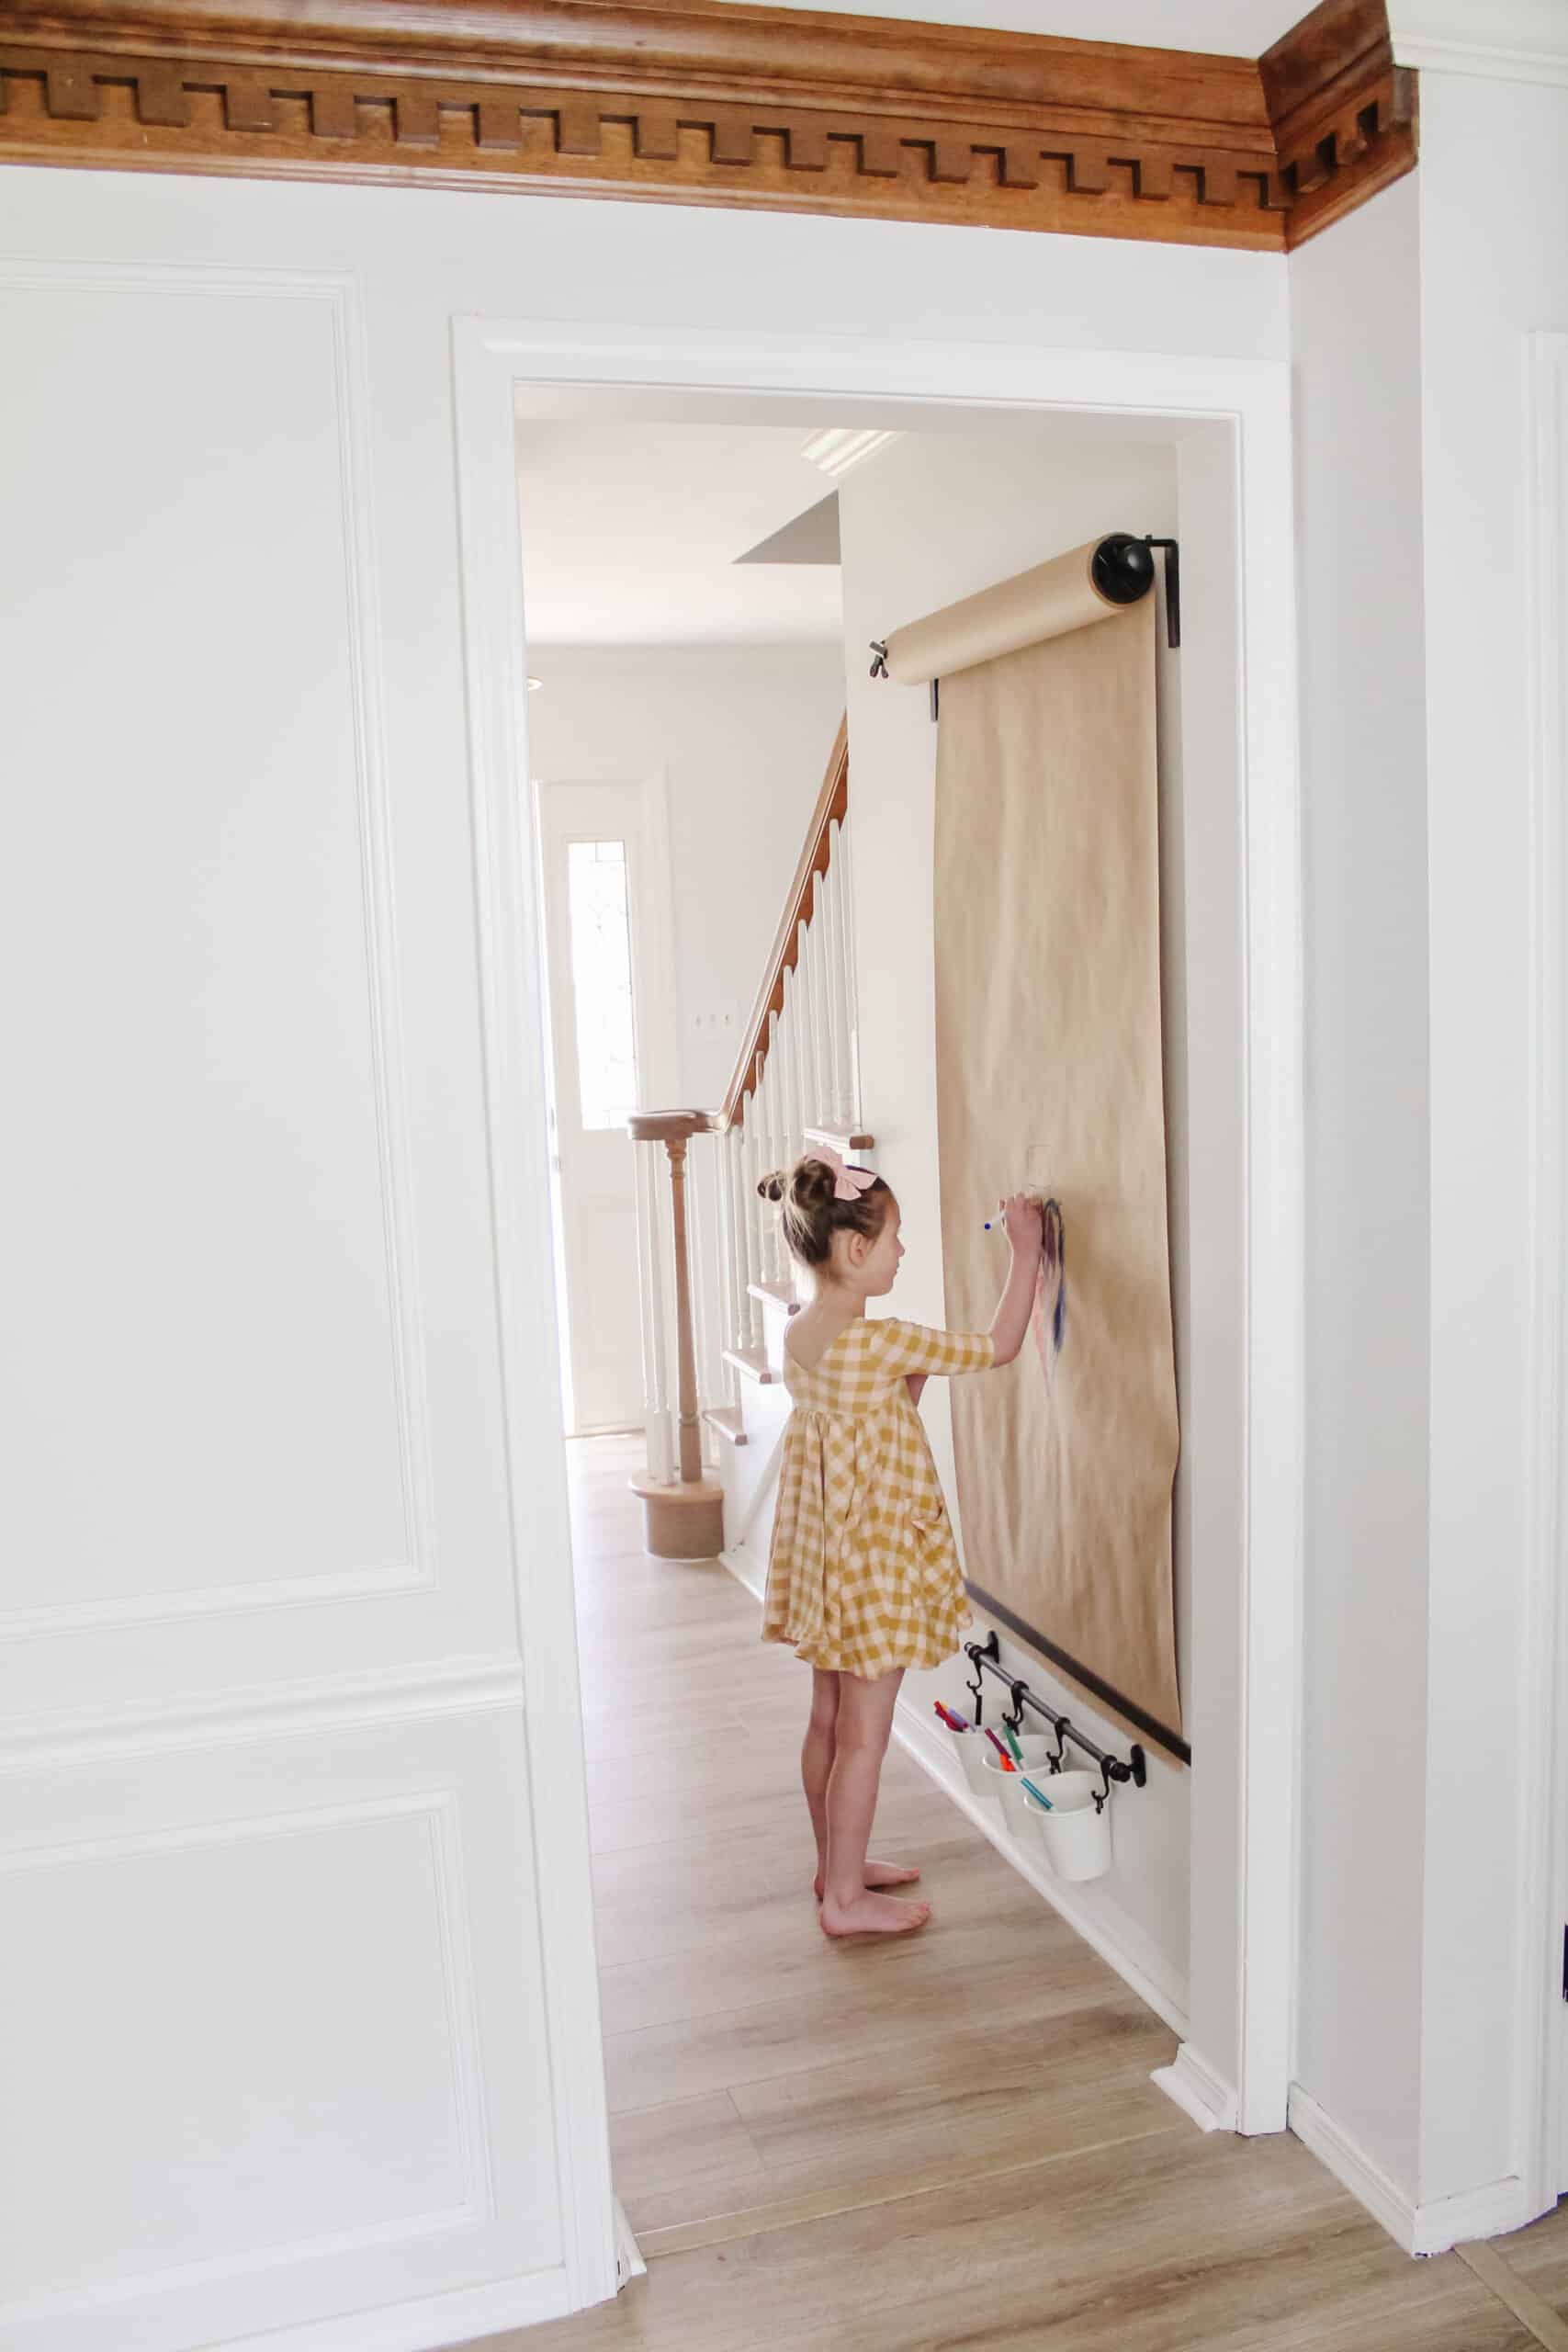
point(294, 2046)
point(250, 1431)
point(271, 2033)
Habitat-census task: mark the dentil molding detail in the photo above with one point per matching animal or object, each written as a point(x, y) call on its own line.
point(711, 103)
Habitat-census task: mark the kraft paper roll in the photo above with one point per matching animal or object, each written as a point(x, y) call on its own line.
point(1049, 1076)
point(1053, 599)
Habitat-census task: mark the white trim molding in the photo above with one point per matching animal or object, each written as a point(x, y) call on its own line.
point(458, 2318)
point(1485, 2213)
point(1509, 40)
point(1195, 2087)
point(511, 932)
point(901, 386)
point(1542, 1873)
point(1139, 1965)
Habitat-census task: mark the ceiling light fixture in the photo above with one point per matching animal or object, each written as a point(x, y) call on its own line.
point(534, 684)
point(837, 447)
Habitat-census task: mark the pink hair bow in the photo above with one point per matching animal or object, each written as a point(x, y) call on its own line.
point(849, 1184)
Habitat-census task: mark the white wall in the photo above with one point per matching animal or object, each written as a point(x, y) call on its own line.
point(742, 738)
point(1494, 267)
point(1356, 311)
point(1410, 321)
point(931, 520)
point(200, 436)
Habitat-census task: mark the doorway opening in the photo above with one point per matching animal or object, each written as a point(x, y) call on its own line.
point(1221, 435)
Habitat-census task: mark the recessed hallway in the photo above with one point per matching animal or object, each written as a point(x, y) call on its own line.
point(948, 2140)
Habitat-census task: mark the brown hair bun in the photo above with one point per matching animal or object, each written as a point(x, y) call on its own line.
point(812, 1214)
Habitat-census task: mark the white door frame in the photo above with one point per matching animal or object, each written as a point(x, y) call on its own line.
point(1541, 2094)
point(1245, 2084)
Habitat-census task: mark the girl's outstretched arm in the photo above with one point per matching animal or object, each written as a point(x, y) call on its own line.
point(1026, 1233)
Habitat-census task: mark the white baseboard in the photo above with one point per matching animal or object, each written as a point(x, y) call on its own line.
point(746, 1568)
point(1193, 2083)
point(1137, 1964)
point(429, 2324)
point(629, 2264)
point(1489, 2212)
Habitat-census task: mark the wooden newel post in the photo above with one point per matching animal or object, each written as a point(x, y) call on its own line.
point(683, 1518)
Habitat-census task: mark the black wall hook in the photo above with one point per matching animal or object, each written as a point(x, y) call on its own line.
point(1019, 1693)
point(986, 1658)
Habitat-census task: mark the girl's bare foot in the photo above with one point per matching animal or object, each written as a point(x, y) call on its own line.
point(876, 1874)
point(873, 1915)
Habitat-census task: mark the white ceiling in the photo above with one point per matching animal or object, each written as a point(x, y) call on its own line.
point(631, 530)
point(1231, 27)
point(633, 521)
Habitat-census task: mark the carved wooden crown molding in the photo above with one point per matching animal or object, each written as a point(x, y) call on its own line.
point(711, 103)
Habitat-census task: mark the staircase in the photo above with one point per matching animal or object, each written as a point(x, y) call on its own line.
point(715, 1279)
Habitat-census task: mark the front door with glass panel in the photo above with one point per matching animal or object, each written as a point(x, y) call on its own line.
point(596, 885)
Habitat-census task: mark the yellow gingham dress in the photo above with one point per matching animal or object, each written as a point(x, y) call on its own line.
point(863, 1574)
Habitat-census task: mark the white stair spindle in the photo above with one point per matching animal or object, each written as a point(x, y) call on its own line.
point(821, 1103)
point(776, 1146)
point(806, 1058)
point(716, 1237)
point(847, 895)
point(733, 1145)
point(788, 1050)
point(833, 977)
point(757, 1210)
point(768, 1160)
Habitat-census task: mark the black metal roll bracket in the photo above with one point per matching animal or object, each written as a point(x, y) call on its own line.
point(878, 658)
point(1122, 569)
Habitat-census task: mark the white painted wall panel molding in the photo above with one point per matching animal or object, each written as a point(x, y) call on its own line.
point(295, 1709)
point(385, 1873)
point(207, 1042)
point(267, 2055)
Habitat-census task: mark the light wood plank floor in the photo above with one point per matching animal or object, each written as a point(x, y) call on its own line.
point(948, 2141)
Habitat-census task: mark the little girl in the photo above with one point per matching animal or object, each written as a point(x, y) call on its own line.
point(863, 1578)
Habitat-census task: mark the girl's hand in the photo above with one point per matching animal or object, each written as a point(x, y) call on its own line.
point(1025, 1224)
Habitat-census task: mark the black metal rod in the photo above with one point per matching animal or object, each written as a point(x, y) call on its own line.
point(987, 1658)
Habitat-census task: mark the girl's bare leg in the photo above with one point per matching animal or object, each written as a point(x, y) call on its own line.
point(860, 1741)
point(815, 1768)
point(816, 1761)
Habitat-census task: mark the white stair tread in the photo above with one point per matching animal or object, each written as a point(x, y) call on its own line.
point(753, 1362)
point(844, 1141)
point(729, 1421)
point(776, 1295)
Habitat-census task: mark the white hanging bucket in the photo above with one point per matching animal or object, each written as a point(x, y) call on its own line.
point(1008, 1786)
point(973, 1748)
point(1075, 1833)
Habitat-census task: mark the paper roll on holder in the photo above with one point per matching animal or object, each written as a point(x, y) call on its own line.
point(1123, 572)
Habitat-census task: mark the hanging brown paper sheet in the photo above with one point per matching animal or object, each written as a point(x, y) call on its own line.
point(1049, 1079)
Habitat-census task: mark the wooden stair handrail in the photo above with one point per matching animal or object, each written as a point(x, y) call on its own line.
point(832, 804)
